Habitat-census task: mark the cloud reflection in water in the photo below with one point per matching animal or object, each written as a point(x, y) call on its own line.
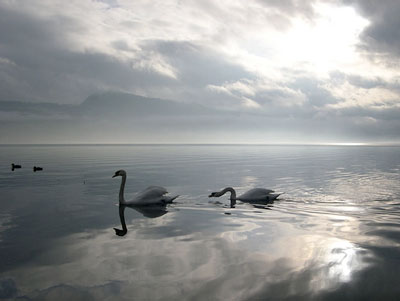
point(201, 253)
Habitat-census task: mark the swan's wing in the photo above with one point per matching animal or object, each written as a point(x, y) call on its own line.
point(255, 194)
point(151, 192)
point(156, 190)
point(151, 195)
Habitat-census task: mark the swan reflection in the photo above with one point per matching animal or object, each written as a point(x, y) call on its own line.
point(147, 211)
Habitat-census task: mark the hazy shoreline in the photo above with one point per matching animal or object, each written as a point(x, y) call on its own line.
point(207, 144)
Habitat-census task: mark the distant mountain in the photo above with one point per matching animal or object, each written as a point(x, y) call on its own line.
point(123, 104)
point(110, 104)
point(42, 108)
point(121, 118)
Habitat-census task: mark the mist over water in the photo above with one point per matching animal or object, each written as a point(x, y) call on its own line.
point(334, 234)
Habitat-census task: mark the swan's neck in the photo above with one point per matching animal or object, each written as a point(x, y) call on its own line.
point(233, 195)
point(228, 189)
point(121, 190)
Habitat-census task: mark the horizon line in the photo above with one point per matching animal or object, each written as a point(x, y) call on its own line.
point(205, 144)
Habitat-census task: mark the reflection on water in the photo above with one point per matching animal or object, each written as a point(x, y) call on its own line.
point(333, 235)
point(147, 211)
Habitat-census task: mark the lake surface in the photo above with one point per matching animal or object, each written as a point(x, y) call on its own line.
point(333, 235)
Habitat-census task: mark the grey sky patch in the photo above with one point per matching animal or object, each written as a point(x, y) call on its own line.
point(291, 7)
point(197, 65)
point(357, 80)
point(365, 83)
point(111, 3)
point(317, 96)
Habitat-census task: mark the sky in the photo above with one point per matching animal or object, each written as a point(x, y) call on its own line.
point(284, 71)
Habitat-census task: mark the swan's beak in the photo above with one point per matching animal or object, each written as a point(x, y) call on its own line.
point(114, 176)
point(211, 195)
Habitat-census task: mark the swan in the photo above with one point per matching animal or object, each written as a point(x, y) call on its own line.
point(255, 195)
point(153, 195)
point(37, 168)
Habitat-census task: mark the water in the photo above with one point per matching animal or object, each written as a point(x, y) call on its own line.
point(333, 235)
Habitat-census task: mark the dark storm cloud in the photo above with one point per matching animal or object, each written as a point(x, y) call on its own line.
point(381, 39)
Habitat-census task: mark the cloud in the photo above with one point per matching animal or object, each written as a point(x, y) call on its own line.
point(381, 39)
point(278, 59)
point(39, 64)
point(362, 92)
point(291, 7)
point(264, 94)
point(46, 58)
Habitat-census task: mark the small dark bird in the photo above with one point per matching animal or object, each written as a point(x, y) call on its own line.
point(37, 168)
point(15, 166)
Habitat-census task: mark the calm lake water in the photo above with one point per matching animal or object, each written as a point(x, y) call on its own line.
point(333, 235)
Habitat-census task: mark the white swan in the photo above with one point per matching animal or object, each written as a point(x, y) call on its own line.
point(153, 195)
point(255, 195)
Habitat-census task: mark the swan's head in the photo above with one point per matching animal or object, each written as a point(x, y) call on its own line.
point(120, 173)
point(120, 232)
point(218, 194)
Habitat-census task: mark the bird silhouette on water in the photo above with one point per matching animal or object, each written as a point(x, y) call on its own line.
point(15, 166)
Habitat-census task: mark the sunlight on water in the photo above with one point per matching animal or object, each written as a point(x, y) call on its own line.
point(345, 144)
point(333, 234)
point(342, 261)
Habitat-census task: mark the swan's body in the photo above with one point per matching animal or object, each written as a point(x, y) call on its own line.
point(255, 195)
point(153, 195)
